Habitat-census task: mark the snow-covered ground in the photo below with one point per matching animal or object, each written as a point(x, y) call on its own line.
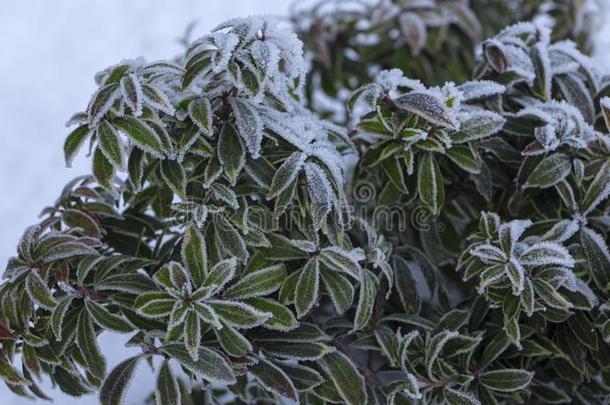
point(49, 51)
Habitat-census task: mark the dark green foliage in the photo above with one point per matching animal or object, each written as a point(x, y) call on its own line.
point(443, 241)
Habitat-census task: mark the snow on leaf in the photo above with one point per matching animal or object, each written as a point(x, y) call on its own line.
point(426, 106)
point(249, 125)
point(546, 253)
point(474, 90)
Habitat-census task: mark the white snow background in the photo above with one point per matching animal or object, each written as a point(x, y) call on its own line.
point(49, 52)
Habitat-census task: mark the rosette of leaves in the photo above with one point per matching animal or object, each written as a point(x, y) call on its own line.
point(443, 362)
point(521, 274)
point(430, 40)
point(410, 131)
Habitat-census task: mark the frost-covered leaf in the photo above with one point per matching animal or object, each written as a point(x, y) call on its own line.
point(506, 380)
point(550, 171)
point(141, 134)
point(345, 376)
point(598, 257)
point(233, 343)
point(200, 112)
point(11, 375)
point(604, 104)
point(598, 190)
point(74, 142)
point(194, 254)
point(192, 334)
point(478, 125)
point(307, 287)
point(154, 304)
point(167, 390)
point(238, 314)
point(86, 339)
point(547, 253)
point(131, 89)
point(366, 299)
point(273, 379)
point(229, 238)
point(339, 288)
point(231, 152)
point(209, 365)
point(480, 89)
point(259, 283)
point(249, 124)
point(286, 174)
point(430, 184)
point(426, 106)
point(106, 319)
point(102, 102)
point(341, 260)
point(38, 290)
point(282, 318)
point(174, 176)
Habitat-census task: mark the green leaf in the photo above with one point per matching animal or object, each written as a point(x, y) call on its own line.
point(58, 315)
point(38, 291)
point(210, 365)
point(466, 157)
point(192, 334)
point(102, 102)
point(233, 343)
point(339, 288)
point(550, 296)
point(112, 391)
point(156, 304)
point(282, 318)
point(366, 300)
point(132, 93)
point(229, 238)
point(286, 174)
point(426, 106)
point(167, 390)
point(107, 320)
point(231, 152)
point(345, 376)
point(550, 171)
point(406, 286)
point(598, 257)
point(194, 254)
point(75, 218)
point(141, 134)
point(543, 72)
point(507, 380)
point(430, 184)
point(110, 144)
point(86, 339)
point(478, 125)
point(174, 176)
point(257, 284)
point(200, 112)
point(306, 295)
point(340, 260)
point(221, 273)
point(74, 142)
point(298, 351)
point(10, 375)
point(249, 124)
point(238, 314)
point(273, 379)
point(598, 189)
point(103, 170)
point(304, 378)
